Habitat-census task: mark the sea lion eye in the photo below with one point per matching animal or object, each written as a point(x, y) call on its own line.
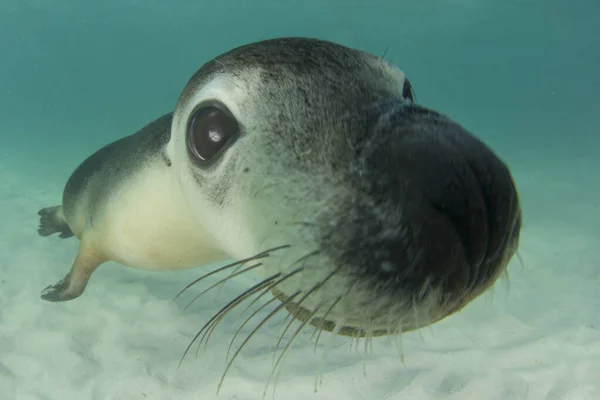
point(210, 128)
point(407, 91)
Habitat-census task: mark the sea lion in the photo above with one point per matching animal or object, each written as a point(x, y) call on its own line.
point(366, 213)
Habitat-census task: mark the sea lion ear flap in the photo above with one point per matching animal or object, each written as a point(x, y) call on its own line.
point(408, 93)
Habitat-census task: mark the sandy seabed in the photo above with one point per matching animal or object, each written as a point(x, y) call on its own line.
point(535, 336)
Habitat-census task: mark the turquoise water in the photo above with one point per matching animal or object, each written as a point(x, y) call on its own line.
point(523, 75)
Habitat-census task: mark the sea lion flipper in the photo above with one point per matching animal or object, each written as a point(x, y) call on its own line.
point(53, 221)
point(73, 284)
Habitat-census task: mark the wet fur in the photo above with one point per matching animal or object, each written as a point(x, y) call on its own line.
point(312, 194)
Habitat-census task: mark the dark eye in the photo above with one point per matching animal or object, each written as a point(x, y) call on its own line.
point(210, 129)
point(407, 91)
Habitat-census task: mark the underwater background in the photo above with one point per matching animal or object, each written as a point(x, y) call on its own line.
point(523, 75)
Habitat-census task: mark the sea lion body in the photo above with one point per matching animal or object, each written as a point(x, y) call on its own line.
point(123, 203)
point(366, 213)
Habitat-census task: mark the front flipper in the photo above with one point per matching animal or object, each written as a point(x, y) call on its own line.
point(73, 284)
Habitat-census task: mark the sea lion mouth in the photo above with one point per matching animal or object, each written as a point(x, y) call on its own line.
point(323, 324)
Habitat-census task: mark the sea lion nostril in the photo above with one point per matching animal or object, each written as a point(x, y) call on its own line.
point(387, 266)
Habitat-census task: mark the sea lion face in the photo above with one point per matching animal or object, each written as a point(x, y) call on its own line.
point(384, 216)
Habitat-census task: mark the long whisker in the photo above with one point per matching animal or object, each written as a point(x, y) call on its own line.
point(382, 58)
point(285, 349)
point(274, 299)
point(319, 330)
point(264, 321)
point(368, 344)
point(233, 271)
point(266, 289)
point(319, 378)
point(400, 347)
point(290, 320)
point(290, 317)
point(223, 313)
point(209, 327)
point(241, 297)
point(319, 327)
point(299, 304)
point(258, 256)
point(323, 319)
point(299, 260)
point(216, 271)
point(520, 259)
point(250, 268)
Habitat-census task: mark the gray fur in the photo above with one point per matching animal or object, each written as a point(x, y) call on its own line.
point(102, 173)
point(305, 85)
point(88, 191)
point(418, 213)
point(396, 213)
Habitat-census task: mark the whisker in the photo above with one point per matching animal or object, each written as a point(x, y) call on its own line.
point(208, 332)
point(218, 318)
point(284, 351)
point(299, 260)
point(299, 304)
point(382, 58)
point(256, 329)
point(268, 287)
point(235, 270)
point(319, 378)
point(355, 338)
point(241, 297)
point(246, 322)
point(368, 338)
point(319, 327)
point(395, 325)
point(417, 319)
point(400, 347)
point(336, 329)
point(258, 256)
point(250, 268)
point(265, 291)
point(507, 280)
point(520, 259)
point(322, 321)
point(290, 320)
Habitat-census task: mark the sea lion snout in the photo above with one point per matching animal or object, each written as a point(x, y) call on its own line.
point(435, 211)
